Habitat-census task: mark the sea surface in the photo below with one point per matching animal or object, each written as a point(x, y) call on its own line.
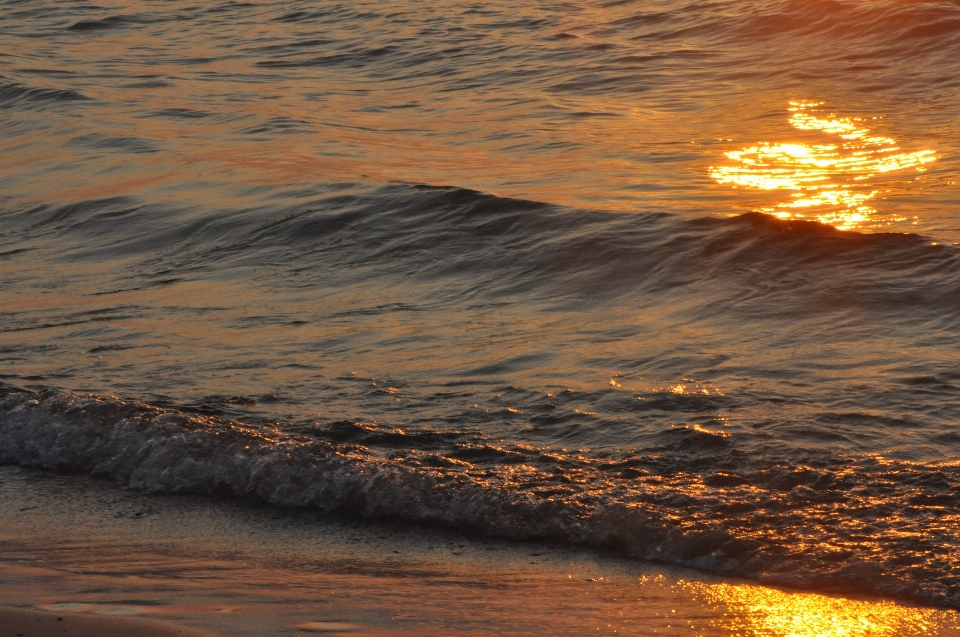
point(674, 279)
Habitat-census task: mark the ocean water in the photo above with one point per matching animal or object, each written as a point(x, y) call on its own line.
point(678, 280)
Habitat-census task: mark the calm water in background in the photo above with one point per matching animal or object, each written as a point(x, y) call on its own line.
point(498, 266)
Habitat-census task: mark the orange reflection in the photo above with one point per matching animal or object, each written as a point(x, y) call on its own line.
point(831, 178)
point(760, 611)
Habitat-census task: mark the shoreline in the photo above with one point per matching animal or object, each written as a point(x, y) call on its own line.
point(98, 553)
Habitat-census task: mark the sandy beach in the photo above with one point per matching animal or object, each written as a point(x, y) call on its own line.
point(35, 623)
point(105, 559)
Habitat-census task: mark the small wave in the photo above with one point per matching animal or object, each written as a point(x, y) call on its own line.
point(509, 246)
point(302, 16)
point(180, 113)
point(15, 94)
point(496, 247)
point(696, 500)
point(352, 59)
point(129, 144)
point(277, 126)
point(110, 22)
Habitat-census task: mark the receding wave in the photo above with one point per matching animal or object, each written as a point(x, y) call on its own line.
point(690, 497)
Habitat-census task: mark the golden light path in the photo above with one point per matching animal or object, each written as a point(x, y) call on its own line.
point(757, 611)
point(831, 179)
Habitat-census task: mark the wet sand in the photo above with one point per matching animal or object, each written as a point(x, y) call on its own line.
point(35, 623)
point(101, 557)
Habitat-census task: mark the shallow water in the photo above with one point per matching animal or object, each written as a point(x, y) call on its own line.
point(535, 270)
point(243, 570)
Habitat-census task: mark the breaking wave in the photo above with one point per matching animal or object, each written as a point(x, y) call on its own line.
point(693, 497)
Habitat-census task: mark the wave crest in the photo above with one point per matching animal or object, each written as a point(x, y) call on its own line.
point(696, 500)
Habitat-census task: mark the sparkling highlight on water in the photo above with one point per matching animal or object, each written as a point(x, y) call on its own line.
point(827, 182)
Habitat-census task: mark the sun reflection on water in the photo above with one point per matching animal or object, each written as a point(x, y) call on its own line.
point(757, 611)
point(831, 179)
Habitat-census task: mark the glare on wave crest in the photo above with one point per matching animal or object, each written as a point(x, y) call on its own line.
point(827, 182)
